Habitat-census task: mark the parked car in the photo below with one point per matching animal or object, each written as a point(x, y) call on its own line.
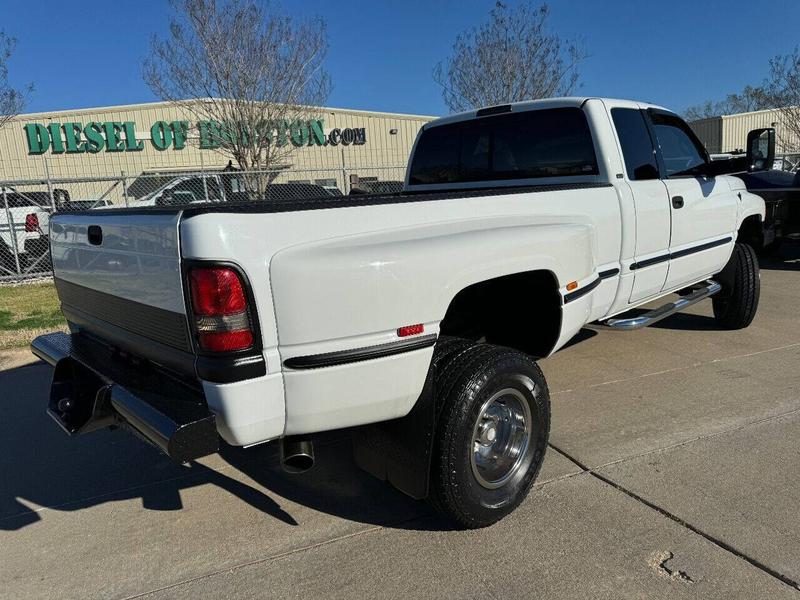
point(20, 239)
point(37, 228)
point(419, 316)
point(377, 187)
point(179, 190)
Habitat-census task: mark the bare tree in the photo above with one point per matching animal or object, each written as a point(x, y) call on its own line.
point(783, 85)
point(514, 56)
point(12, 100)
point(250, 76)
point(751, 98)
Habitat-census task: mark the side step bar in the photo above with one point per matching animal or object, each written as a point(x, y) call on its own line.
point(708, 289)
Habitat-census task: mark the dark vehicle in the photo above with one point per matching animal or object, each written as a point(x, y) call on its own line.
point(781, 193)
point(283, 191)
point(225, 186)
point(779, 189)
point(382, 187)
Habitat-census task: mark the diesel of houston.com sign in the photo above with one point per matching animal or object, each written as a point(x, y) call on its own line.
point(120, 136)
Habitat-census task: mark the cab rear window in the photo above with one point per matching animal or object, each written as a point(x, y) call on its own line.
point(526, 145)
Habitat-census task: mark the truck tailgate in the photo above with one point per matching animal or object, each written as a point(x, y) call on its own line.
point(119, 273)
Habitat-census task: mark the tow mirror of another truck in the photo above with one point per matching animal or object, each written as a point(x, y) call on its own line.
point(760, 149)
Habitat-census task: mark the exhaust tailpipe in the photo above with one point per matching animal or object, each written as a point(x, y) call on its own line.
point(297, 454)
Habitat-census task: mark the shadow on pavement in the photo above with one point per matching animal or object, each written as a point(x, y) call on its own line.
point(43, 467)
point(688, 322)
point(335, 485)
point(583, 335)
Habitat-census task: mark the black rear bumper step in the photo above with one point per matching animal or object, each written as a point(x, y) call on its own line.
point(92, 389)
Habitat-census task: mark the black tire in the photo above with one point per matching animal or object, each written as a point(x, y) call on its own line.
point(446, 347)
point(736, 305)
point(474, 377)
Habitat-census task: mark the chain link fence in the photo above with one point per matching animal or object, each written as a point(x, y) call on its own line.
point(787, 162)
point(27, 205)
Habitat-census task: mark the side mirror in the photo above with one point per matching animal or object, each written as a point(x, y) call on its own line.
point(760, 149)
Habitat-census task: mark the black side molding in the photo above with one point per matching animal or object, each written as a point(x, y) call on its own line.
point(581, 292)
point(700, 248)
point(649, 262)
point(341, 357)
point(608, 273)
point(680, 253)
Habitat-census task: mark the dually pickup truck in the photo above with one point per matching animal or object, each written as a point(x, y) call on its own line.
point(415, 318)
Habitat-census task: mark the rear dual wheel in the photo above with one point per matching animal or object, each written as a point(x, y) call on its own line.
point(492, 430)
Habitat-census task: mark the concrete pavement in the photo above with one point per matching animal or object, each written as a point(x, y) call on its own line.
point(673, 473)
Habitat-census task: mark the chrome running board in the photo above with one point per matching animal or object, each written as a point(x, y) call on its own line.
point(708, 289)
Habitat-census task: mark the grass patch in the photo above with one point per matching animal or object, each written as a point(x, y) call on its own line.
point(27, 311)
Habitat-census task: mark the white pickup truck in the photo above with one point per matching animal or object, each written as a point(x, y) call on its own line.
point(417, 315)
point(22, 245)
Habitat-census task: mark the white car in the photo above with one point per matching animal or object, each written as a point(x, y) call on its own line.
point(420, 313)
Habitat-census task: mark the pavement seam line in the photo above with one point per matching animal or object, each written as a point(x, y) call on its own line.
point(312, 547)
point(267, 559)
point(698, 438)
point(625, 459)
point(784, 579)
point(681, 368)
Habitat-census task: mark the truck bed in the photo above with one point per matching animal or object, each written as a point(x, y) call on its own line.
point(327, 202)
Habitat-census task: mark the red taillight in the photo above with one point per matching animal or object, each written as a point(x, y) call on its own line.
point(410, 330)
point(32, 222)
point(219, 303)
point(217, 291)
point(226, 341)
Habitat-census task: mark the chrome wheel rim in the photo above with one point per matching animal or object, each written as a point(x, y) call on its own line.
point(500, 438)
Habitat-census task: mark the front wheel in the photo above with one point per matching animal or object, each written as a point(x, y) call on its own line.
point(491, 435)
point(736, 304)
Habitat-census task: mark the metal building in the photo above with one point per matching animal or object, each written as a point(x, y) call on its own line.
point(143, 138)
point(729, 132)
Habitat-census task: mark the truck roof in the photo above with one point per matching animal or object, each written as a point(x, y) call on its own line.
point(571, 101)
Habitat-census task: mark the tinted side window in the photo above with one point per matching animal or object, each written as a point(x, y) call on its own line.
point(526, 145)
point(680, 149)
point(637, 147)
point(436, 158)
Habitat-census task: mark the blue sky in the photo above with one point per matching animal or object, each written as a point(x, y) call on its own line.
point(382, 52)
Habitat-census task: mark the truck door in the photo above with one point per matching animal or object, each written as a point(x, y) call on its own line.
point(651, 254)
point(703, 209)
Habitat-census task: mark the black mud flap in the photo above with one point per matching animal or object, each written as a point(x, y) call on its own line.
point(92, 389)
point(399, 451)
